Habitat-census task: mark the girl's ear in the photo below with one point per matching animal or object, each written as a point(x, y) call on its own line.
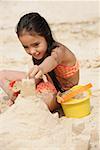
point(17, 86)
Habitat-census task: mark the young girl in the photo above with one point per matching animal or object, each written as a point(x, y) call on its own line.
point(49, 57)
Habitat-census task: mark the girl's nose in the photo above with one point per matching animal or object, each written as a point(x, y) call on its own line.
point(32, 50)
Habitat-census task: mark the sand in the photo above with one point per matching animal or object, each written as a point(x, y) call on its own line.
point(28, 124)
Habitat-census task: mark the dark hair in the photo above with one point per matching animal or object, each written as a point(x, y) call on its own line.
point(33, 23)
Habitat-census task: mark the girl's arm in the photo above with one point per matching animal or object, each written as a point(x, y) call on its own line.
point(57, 56)
point(52, 61)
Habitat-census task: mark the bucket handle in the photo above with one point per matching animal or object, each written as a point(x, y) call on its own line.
point(73, 93)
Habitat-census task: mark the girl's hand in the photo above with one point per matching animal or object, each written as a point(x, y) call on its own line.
point(35, 72)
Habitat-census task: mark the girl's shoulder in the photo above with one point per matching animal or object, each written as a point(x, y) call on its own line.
point(60, 53)
point(65, 55)
point(60, 48)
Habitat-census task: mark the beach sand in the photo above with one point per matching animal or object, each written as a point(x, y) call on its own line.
point(28, 124)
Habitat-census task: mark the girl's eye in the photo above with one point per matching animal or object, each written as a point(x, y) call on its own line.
point(35, 45)
point(25, 47)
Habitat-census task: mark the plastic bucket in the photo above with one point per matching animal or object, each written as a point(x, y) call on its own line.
point(77, 108)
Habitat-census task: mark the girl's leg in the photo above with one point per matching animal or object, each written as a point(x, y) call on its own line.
point(51, 101)
point(12, 75)
point(9, 75)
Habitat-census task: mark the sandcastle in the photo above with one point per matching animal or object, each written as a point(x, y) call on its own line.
point(26, 86)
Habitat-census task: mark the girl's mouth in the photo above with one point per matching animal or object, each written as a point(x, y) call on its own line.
point(37, 53)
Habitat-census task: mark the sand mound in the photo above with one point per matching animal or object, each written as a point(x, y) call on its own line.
point(28, 124)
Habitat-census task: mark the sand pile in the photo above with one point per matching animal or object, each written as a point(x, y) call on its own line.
point(28, 124)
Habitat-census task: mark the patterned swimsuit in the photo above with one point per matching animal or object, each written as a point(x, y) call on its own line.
point(64, 71)
point(63, 74)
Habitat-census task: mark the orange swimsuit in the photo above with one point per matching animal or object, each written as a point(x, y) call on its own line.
point(63, 74)
point(64, 71)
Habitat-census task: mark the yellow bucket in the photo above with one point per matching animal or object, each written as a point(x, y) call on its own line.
point(77, 108)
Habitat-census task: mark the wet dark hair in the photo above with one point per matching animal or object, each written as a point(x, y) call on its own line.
point(34, 23)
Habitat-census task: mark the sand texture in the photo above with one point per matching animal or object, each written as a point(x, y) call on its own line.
point(28, 124)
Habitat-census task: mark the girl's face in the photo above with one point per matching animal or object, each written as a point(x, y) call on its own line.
point(34, 45)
